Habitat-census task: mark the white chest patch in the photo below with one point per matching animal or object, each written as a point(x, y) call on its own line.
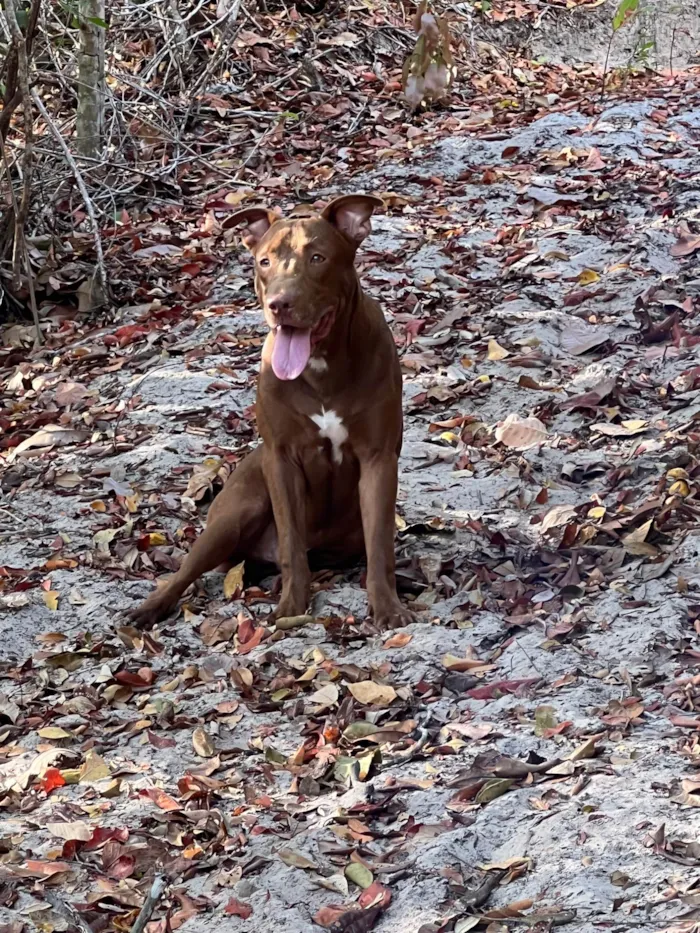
point(332, 427)
point(317, 364)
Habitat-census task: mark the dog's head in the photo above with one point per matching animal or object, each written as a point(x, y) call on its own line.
point(303, 270)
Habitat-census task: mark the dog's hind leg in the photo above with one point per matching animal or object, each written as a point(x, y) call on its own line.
point(238, 517)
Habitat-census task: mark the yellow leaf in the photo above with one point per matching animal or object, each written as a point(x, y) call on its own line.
point(157, 537)
point(132, 502)
point(496, 351)
point(51, 599)
point(77, 830)
point(677, 473)
point(233, 582)
point(680, 488)
point(598, 511)
point(400, 522)
point(54, 733)
point(98, 506)
point(202, 743)
point(634, 425)
point(94, 768)
point(635, 542)
point(588, 277)
point(366, 691)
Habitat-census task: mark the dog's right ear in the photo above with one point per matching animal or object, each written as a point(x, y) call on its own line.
point(258, 221)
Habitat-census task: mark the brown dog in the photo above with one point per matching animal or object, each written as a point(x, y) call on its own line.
point(329, 414)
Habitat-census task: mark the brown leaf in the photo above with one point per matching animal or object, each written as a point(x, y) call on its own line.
point(213, 631)
point(686, 244)
point(372, 694)
point(635, 542)
point(202, 743)
point(233, 581)
point(237, 908)
point(521, 433)
point(398, 640)
point(161, 799)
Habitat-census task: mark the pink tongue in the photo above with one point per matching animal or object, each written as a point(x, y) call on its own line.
point(291, 351)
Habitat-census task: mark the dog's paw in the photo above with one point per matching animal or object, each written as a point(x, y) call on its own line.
point(291, 606)
point(390, 613)
point(151, 611)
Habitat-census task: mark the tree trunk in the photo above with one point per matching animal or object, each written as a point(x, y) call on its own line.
point(91, 78)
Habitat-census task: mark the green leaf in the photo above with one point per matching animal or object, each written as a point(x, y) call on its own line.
point(359, 874)
point(96, 21)
point(624, 12)
point(493, 788)
point(545, 718)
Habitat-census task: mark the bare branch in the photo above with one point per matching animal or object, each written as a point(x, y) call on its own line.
point(89, 207)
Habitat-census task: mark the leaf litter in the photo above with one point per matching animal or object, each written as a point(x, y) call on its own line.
point(509, 758)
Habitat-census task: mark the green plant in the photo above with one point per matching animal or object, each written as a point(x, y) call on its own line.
point(625, 12)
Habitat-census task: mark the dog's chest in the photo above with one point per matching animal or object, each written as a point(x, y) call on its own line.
point(332, 429)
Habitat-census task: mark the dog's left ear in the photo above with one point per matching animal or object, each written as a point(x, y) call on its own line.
point(351, 214)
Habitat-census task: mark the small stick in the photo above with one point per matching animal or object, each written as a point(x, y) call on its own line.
point(67, 911)
point(149, 905)
point(101, 271)
point(25, 252)
point(20, 45)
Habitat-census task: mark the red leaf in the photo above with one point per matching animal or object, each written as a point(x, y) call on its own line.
point(160, 741)
point(238, 909)
point(687, 243)
point(245, 630)
point(51, 780)
point(160, 798)
point(123, 867)
point(327, 916)
point(45, 869)
point(491, 691)
point(253, 642)
point(375, 893)
point(140, 679)
point(104, 834)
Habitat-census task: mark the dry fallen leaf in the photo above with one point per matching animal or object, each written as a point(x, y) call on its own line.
point(556, 517)
point(398, 640)
point(521, 433)
point(635, 542)
point(202, 743)
point(51, 599)
point(579, 338)
point(496, 351)
point(233, 581)
point(372, 694)
point(624, 429)
point(77, 830)
point(588, 277)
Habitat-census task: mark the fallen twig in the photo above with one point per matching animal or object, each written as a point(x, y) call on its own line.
point(149, 905)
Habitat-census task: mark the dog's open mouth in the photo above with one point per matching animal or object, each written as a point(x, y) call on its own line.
point(292, 347)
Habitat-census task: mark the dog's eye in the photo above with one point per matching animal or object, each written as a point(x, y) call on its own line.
point(264, 262)
point(317, 257)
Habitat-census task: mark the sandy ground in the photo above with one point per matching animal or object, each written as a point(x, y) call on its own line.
point(600, 637)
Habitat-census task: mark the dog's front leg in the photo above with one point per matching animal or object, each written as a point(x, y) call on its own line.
point(287, 488)
point(378, 482)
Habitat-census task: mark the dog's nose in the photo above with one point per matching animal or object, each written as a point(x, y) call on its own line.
point(281, 305)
